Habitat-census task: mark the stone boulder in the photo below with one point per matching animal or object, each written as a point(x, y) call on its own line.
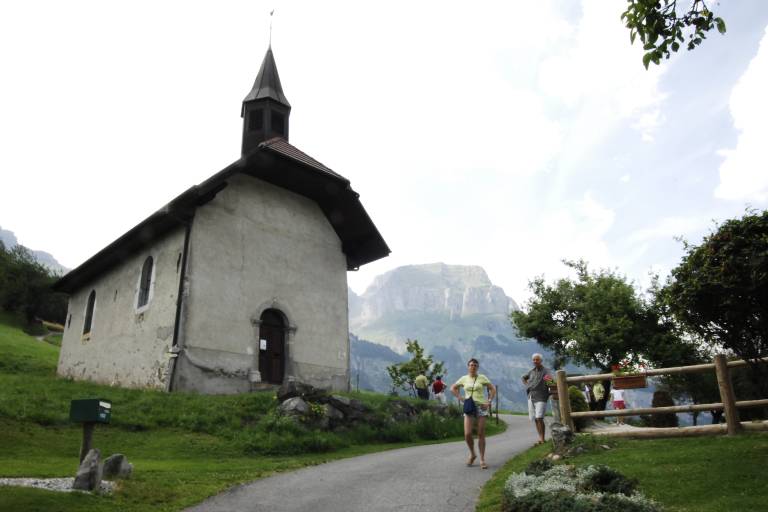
point(562, 436)
point(293, 389)
point(332, 413)
point(116, 467)
point(295, 406)
point(352, 409)
point(402, 410)
point(88, 476)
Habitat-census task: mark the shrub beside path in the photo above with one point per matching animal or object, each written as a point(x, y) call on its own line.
point(423, 478)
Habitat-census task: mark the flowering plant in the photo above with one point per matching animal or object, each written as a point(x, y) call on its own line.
point(549, 381)
point(628, 367)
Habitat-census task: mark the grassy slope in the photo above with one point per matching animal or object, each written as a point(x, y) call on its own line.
point(706, 474)
point(185, 447)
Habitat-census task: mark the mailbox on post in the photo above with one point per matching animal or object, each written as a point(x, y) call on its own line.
point(89, 412)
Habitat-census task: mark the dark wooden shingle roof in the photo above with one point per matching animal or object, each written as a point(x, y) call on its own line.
point(274, 161)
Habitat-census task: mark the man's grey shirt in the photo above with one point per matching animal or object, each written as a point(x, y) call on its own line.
point(536, 387)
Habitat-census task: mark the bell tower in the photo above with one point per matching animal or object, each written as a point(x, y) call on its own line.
point(265, 110)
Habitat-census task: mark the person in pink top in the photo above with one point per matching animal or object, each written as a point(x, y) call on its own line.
point(617, 396)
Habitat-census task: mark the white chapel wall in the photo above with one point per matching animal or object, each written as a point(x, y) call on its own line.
point(255, 243)
point(127, 345)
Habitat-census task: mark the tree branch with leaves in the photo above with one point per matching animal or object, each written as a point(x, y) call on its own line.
point(662, 29)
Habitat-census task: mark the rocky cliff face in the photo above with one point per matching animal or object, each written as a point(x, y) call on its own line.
point(455, 312)
point(454, 290)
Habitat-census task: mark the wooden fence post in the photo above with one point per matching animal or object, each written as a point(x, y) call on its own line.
point(565, 402)
point(726, 395)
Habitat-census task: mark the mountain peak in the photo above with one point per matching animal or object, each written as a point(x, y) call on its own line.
point(432, 274)
point(452, 291)
point(9, 240)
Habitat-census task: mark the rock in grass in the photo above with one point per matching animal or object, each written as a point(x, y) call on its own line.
point(351, 408)
point(293, 389)
point(295, 406)
point(562, 436)
point(117, 466)
point(88, 475)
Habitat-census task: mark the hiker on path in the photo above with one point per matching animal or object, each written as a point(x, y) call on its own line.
point(476, 407)
point(438, 388)
point(589, 396)
point(538, 394)
point(422, 386)
point(599, 390)
point(617, 396)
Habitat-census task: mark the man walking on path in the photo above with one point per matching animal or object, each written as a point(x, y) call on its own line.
point(538, 394)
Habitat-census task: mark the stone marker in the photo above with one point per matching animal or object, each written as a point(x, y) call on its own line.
point(116, 466)
point(88, 475)
point(562, 436)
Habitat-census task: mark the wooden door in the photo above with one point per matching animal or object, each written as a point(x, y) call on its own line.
point(272, 347)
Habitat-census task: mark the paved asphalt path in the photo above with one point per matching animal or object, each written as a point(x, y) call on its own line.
point(423, 479)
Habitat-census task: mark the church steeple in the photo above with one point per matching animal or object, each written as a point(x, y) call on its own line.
point(265, 109)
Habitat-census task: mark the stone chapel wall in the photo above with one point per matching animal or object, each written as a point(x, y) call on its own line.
point(127, 346)
point(252, 246)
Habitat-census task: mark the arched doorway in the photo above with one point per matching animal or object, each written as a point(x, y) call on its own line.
point(272, 346)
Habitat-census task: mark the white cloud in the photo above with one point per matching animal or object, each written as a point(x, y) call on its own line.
point(744, 172)
point(668, 227)
point(647, 124)
point(598, 76)
point(536, 245)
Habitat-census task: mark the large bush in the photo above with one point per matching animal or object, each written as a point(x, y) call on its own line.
point(662, 398)
point(578, 404)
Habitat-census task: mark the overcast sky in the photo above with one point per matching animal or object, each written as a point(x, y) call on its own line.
point(509, 135)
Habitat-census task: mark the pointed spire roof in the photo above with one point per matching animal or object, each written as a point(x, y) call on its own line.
point(267, 84)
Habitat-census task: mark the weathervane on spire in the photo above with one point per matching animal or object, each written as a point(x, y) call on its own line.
point(272, 12)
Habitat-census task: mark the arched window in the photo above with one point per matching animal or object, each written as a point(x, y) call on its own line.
point(89, 313)
point(145, 282)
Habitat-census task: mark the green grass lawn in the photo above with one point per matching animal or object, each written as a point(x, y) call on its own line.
point(173, 469)
point(185, 447)
point(703, 474)
point(54, 339)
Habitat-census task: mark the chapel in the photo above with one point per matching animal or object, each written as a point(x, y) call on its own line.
point(238, 283)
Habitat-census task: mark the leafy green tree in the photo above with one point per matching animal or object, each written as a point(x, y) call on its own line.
point(719, 292)
point(661, 28)
point(404, 374)
point(596, 320)
point(25, 286)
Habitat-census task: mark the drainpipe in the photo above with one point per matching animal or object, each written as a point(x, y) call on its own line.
point(175, 347)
